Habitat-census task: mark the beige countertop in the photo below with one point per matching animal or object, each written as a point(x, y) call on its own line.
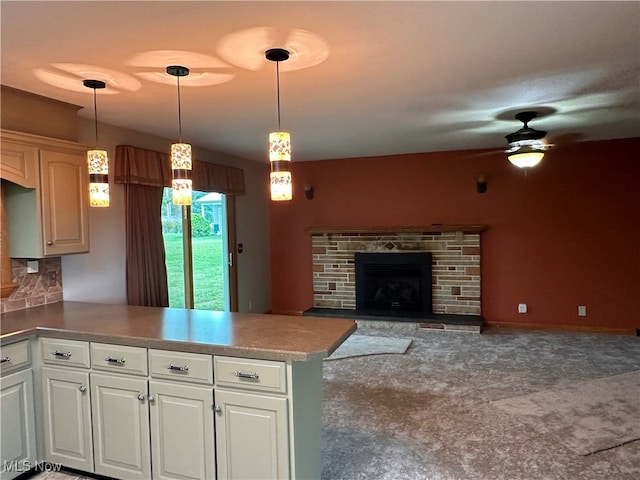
point(251, 335)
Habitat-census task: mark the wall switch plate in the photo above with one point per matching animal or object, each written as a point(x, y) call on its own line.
point(522, 308)
point(582, 310)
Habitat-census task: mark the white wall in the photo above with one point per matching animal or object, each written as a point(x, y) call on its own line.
point(99, 276)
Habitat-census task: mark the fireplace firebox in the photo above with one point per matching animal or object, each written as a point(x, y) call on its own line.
point(393, 283)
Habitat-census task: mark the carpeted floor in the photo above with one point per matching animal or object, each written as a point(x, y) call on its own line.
point(428, 413)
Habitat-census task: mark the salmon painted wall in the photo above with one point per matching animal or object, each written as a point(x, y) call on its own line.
point(564, 234)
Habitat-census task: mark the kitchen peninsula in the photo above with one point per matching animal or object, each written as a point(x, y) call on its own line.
point(165, 392)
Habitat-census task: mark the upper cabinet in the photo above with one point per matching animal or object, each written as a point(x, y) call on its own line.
point(46, 195)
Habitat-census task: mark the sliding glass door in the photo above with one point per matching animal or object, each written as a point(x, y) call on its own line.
point(196, 239)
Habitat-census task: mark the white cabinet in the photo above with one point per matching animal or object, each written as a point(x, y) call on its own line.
point(67, 417)
point(135, 413)
point(252, 437)
point(66, 406)
point(182, 432)
point(17, 425)
point(46, 195)
point(182, 438)
point(120, 426)
point(268, 418)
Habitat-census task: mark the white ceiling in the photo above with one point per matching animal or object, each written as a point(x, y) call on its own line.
point(366, 78)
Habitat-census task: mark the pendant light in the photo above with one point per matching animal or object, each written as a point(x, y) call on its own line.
point(279, 142)
point(97, 160)
point(180, 152)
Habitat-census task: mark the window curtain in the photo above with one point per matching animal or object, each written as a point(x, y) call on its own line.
point(144, 174)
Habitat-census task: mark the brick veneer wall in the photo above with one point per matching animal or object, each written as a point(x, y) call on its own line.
point(455, 268)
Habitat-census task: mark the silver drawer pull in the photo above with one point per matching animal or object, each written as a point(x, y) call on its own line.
point(251, 376)
point(61, 354)
point(119, 361)
point(5, 359)
point(177, 368)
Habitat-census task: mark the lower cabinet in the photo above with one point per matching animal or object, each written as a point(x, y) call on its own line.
point(252, 439)
point(17, 425)
point(133, 413)
point(182, 439)
point(121, 443)
point(67, 418)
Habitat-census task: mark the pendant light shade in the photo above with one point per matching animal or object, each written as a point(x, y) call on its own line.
point(181, 163)
point(97, 159)
point(279, 142)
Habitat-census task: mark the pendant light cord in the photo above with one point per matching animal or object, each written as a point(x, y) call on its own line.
point(95, 114)
point(179, 112)
point(278, 90)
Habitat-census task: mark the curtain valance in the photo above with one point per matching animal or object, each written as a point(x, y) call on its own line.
point(134, 165)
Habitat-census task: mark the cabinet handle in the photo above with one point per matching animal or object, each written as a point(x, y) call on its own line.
point(251, 376)
point(5, 359)
point(151, 398)
point(217, 408)
point(82, 388)
point(61, 354)
point(119, 361)
point(49, 243)
point(140, 396)
point(177, 368)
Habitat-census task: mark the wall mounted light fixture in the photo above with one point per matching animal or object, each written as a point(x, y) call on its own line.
point(279, 142)
point(481, 184)
point(309, 191)
point(97, 159)
point(181, 163)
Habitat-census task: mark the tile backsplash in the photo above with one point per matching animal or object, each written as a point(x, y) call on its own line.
point(39, 288)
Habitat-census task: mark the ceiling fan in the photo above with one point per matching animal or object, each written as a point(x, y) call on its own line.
point(527, 145)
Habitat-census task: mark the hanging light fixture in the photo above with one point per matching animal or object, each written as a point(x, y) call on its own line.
point(97, 160)
point(180, 152)
point(527, 145)
point(279, 142)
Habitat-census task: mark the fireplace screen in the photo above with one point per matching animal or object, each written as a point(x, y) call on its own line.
point(387, 282)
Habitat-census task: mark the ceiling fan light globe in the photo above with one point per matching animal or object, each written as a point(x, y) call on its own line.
point(526, 159)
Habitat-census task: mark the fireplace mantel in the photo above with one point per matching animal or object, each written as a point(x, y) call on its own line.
point(427, 229)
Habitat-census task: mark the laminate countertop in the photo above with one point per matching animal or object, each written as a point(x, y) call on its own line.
point(249, 335)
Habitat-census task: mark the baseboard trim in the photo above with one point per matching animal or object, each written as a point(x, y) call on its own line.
point(560, 328)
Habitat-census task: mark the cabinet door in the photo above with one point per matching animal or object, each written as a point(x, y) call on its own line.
point(120, 426)
point(252, 440)
point(17, 427)
point(67, 418)
point(182, 439)
point(63, 178)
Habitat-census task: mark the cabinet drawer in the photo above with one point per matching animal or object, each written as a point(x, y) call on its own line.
point(72, 353)
point(14, 356)
point(264, 375)
point(190, 367)
point(119, 358)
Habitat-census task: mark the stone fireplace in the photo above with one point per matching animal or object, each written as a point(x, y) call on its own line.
point(454, 252)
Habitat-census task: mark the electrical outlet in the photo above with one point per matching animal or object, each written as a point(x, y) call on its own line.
point(522, 308)
point(52, 279)
point(582, 310)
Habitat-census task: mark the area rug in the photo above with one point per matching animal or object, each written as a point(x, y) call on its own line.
point(360, 345)
point(588, 417)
